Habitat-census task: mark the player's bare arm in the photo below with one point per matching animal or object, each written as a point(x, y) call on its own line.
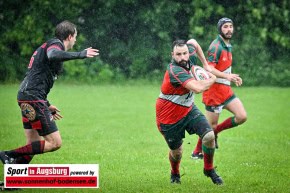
point(201, 85)
point(200, 55)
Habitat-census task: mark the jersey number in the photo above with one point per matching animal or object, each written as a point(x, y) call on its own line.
point(32, 59)
point(189, 95)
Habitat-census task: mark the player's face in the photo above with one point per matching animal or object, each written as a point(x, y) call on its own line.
point(227, 30)
point(72, 40)
point(181, 55)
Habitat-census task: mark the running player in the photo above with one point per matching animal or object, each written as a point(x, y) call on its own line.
point(38, 115)
point(176, 112)
point(220, 95)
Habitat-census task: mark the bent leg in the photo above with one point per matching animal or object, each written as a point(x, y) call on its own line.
point(237, 108)
point(213, 120)
point(208, 147)
point(240, 116)
point(31, 136)
point(52, 142)
point(174, 159)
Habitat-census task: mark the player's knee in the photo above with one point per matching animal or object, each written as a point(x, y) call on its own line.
point(241, 118)
point(177, 153)
point(213, 125)
point(208, 139)
point(56, 145)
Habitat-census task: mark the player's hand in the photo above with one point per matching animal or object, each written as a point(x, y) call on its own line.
point(232, 77)
point(91, 52)
point(212, 76)
point(239, 81)
point(55, 112)
point(207, 68)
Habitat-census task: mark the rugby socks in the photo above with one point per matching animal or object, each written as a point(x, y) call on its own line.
point(208, 154)
point(174, 164)
point(198, 146)
point(33, 148)
point(26, 159)
point(228, 123)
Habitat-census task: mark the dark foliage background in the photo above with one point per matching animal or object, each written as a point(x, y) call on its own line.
point(134, 36)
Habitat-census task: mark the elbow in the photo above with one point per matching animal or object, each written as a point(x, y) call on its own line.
point(192, 41)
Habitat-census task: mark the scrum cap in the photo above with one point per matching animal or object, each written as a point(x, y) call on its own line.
point(221, 22)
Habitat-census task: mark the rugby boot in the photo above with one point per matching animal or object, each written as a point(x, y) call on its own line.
point(175, 178)
point(5, 158)
point(198, 155)
point(216, 179)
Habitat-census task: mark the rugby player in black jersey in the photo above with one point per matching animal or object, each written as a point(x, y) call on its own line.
point(38, 115)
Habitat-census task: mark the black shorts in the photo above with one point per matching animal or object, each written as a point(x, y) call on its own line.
point(36, 115)
point(193, 122)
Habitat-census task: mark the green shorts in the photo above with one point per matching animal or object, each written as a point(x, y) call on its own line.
point(193, 122)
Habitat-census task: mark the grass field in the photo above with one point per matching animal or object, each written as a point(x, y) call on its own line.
point(114, 126)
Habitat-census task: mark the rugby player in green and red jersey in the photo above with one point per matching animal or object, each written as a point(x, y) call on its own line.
point(220, 95)
point(176, 112)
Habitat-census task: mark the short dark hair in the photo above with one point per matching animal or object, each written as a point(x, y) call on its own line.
point(64, 29)
point(178, 43)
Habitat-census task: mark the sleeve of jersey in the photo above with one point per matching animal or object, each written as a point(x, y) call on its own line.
point(192, 53)
point(179, 76)
point(56, 54)
point(212, 55)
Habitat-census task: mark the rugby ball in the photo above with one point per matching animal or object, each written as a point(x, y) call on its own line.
point(199, 73)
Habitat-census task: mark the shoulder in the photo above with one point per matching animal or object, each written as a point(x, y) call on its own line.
point(55, 42)
point(175, 70)
point(215, 44)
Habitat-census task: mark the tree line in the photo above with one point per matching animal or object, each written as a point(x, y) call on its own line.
point(134, 37)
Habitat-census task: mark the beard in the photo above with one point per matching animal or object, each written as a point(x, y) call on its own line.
point(227, 36)
point(183, 63)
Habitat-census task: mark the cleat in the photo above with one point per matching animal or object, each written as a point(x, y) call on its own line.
point(215, 141)
point(216, 179)
point(1, 186)
point(5, 158)
point(175, 178)
point(196, 155)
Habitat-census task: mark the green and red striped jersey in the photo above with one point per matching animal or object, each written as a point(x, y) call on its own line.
point(174, 101)
point(220, 57)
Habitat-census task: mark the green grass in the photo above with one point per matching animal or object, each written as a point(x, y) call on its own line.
point(114, 126)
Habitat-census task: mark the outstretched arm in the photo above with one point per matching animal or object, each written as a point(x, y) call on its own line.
point(58, 55)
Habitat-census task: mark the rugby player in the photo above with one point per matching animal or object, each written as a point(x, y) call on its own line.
point(176, 112)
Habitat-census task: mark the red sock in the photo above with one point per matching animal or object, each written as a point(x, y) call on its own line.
point(33, 148)
point(228, 123)
point(208, 154)
point(198, 146)
point(174, 165)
